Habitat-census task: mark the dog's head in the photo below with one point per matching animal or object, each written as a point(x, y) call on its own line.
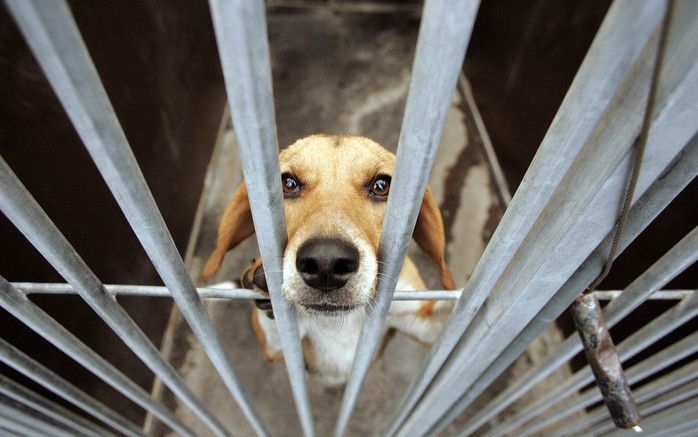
point(335, 195)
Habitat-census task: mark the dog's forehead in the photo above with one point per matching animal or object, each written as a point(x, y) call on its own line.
point(342, 154)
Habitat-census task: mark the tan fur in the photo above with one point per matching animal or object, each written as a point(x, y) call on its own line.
point(335, 172)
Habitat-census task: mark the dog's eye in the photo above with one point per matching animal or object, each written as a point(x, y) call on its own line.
point(380, 187)
point(290, 185)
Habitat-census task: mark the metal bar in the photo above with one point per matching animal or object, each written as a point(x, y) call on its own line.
point(600, 351)
point(10, 429)
point(618, 43)
point(53, 36)
point(26, 214)
point(652, 397)
point(26, 419)
point(657, 328)
point(241, 33)
point(677, 259)
point(576, 218)
point(659, 403)
point(443, 37)
point(50, 409)
point(657, 295)
point(677, 421)
point(501, 184)
point(246, 293)
point(675, 178)
point(30, 368)
point(17, 304)
point(657, 362)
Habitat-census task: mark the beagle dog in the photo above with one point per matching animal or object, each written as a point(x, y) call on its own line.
point(335, 190)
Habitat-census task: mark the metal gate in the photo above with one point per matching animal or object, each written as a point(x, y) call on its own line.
point(550, 244)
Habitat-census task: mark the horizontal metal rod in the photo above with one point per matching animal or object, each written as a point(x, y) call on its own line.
point(34, 370)
point(620, 40)
point(54, 38)
point(675, 178)
point(245, 293)
point(579, 214)
point(649, 333)
point(17, 304)
point(26, 214)
point(651, 397)
point(50, 409)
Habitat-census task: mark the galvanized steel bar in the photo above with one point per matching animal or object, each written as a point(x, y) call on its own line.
point(29, 420)
point(619, 41)
point(30, 368)
point(241, 33)
point(50, 409)
point(675, 178)
point(138, 290)
point(648, 334)
point(53, 36)
point(17, 304)
point(577, 217)
point(677, 259)
point(26, 214)
point(680, 420)
point(647, 367)
point(656, 402)
point(246, 293)
point(652, 397)
point(443, 37)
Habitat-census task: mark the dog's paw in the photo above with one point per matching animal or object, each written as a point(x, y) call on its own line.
point(253, 278)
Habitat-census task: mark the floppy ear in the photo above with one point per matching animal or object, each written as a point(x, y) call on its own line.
point(236, 225)
point(429, 235)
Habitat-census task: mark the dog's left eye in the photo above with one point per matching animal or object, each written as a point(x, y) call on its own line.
point(380, 187)
point(290, 185)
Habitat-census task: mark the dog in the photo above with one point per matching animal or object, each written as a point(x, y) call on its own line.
point(335, 190)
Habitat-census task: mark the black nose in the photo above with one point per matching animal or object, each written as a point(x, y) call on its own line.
point(327, 263)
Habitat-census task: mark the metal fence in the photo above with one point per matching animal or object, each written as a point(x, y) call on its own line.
point(550, 244)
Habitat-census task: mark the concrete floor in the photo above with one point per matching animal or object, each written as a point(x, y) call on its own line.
point(334, 73)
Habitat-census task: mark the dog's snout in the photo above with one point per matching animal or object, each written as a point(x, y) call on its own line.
point(327, 263)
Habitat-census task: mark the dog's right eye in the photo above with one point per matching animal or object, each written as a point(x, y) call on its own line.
point(290, 185)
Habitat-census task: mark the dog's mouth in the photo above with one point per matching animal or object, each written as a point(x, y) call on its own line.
point(326, 308)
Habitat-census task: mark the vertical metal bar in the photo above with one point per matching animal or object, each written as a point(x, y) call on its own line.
point(53, 36)
point(241, 33)
point(30, 368)
point(576, 218)
point(26, 214)
point(17, 304)
point(659, 274)
point(656, 363)
point(654, 396)
point(621, 38)
point(443, 38)
point(50, 409)
point(30, 421)
point(656, 329)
